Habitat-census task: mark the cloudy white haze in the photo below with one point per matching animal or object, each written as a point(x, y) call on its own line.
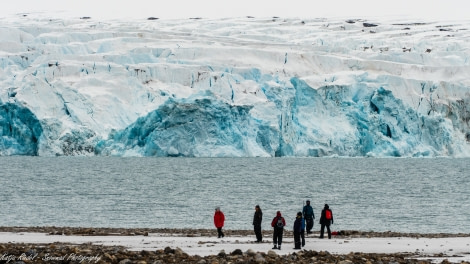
point(438, 9)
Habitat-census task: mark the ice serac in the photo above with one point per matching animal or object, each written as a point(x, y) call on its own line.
point(241, 87)
point(192, 128)
point(20, 130)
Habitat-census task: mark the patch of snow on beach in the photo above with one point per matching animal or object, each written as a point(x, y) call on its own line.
point(454, 249)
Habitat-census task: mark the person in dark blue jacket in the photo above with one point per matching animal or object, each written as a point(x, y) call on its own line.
point(297, 230)
point(308, 216)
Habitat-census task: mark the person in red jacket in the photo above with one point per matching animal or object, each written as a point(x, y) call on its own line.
point(278, 223)
point(219, 219)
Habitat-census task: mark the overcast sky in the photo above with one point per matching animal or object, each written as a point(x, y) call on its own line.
point(434, 9)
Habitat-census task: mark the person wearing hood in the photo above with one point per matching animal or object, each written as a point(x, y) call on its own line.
point(219, 219)
point(297, 230)
point(257, 219)
point(278, 224)
point(308, 216)
point(326, 220)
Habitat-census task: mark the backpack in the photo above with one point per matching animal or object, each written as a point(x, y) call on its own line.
point(328, 214)
point(279, 223)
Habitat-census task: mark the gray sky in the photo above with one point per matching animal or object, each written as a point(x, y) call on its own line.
point(431, 9)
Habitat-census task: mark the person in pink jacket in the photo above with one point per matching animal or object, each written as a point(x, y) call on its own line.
point(219, 219)
point(278, 223)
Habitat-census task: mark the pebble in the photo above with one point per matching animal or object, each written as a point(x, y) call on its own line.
point(272, 254)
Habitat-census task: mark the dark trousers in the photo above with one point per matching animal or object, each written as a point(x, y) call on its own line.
point(277, 236)
point(297, 239)
point(309, 222)
point(259, 236)
point(302, 236)
point(219, 232)
point(322, 230)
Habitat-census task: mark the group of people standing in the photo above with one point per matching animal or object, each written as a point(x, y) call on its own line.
point(303, 221)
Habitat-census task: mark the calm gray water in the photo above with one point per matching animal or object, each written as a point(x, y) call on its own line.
point(403, 195)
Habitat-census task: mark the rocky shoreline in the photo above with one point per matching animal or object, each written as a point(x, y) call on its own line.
point(106, 231)
point(85, 253)
point(22, 253)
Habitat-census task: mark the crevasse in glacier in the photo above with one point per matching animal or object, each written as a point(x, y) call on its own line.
point(239, 87)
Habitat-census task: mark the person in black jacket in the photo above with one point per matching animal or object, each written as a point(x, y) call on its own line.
point(326, 220)
point(297, 230)
point(257, 219)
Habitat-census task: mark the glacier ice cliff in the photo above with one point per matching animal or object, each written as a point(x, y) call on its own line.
point(238, 87)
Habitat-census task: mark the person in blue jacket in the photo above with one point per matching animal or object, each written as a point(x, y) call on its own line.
point(297, 230)
point(308, 216)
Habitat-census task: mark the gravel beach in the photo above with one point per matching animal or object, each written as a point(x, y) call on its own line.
point(57, 252)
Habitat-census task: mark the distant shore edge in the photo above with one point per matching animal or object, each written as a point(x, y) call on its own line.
point(117, 231)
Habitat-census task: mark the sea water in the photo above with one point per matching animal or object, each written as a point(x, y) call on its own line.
point(429, 195)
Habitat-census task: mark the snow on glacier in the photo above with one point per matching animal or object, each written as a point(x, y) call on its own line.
point(235, 87)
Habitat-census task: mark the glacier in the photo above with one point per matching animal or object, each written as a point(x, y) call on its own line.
point(234, 87)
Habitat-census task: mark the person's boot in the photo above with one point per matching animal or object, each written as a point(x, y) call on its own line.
point(297, 245)
point(274, 247)
point(279, 247)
